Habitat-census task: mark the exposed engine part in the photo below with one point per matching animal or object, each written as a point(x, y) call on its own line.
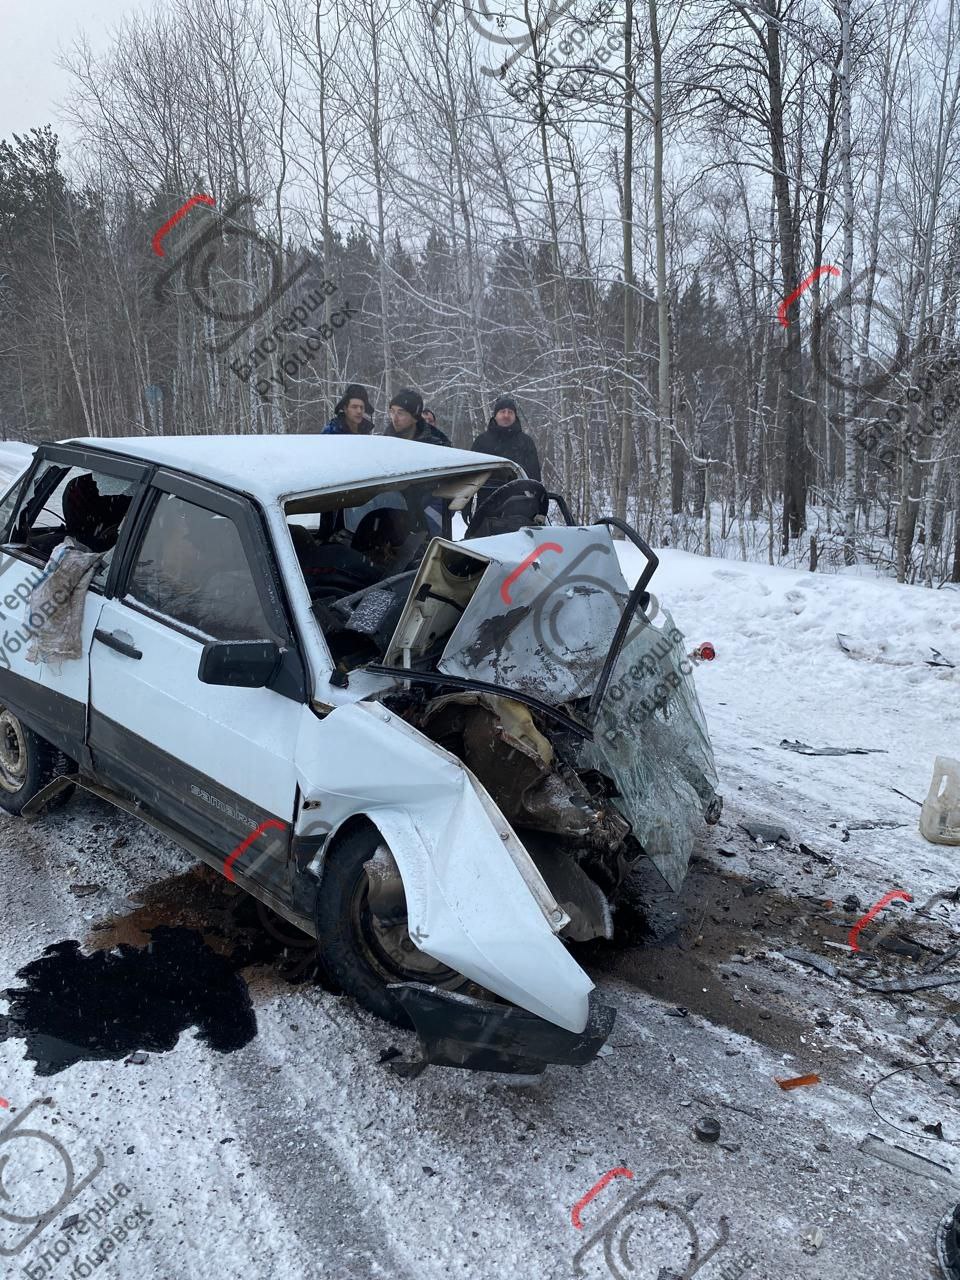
point(499, 741)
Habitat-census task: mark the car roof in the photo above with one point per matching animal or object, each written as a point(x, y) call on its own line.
point(269, 467)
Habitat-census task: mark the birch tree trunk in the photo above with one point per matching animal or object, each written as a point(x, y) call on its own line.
point(663, 419)
point(846, 349)
point(629, 323)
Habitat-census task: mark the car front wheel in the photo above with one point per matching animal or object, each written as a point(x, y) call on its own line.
point(361, 950)
point(27, 763)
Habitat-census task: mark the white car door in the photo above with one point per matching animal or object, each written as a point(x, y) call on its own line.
point(70, 493)
point(213, 760)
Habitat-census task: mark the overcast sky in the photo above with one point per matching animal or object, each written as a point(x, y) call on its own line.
point(31, 34)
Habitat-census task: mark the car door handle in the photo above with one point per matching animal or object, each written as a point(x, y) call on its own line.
point(112, 640)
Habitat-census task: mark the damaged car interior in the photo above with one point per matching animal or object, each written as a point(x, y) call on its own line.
point(360, 553)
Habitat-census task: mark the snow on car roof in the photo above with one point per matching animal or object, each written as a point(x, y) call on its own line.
point(274, 466)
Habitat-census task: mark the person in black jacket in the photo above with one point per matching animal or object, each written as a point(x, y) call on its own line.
point(407, 420)
point(506, 438)
point(352, 415)
point(408, 423)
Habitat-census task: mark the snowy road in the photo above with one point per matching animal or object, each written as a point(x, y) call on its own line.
point(298, 1154)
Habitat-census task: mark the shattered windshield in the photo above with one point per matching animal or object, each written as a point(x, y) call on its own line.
point(651, 737)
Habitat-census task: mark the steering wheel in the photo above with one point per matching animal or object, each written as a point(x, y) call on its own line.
point(494, 501)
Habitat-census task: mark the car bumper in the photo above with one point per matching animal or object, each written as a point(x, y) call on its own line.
point(480, 1035)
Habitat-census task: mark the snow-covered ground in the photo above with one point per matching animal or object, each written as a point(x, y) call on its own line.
point(300, 1155)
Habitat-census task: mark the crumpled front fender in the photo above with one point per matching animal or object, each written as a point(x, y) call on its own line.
point(475, 900)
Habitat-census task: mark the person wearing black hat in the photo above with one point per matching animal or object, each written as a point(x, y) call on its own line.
point(353, 415)
point(407, 420)
point(506, 438)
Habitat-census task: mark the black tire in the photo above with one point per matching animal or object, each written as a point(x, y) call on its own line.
point(357, 951)
point(27, 763)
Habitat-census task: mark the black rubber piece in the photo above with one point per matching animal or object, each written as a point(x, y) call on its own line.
point(482, 1035)
point(948, 1244)
point(707, 1129)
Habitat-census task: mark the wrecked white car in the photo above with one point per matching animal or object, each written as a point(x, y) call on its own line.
point(439, 757)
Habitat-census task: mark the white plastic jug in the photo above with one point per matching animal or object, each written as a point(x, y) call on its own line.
point(940, 815)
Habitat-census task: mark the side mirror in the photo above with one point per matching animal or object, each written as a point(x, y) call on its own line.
point(245, 664)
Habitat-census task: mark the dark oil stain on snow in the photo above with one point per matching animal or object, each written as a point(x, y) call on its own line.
point(171, 963)
point(75, 1007)
point(229, 920)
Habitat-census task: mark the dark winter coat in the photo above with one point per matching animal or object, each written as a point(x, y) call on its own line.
point(510, 442)
point(424, 434)
point(338, 427)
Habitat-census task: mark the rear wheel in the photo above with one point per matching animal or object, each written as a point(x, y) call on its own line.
point(27, 763)
point(361, 950)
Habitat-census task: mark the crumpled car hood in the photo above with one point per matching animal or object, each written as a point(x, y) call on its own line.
point(543, 617)
point(539, 619)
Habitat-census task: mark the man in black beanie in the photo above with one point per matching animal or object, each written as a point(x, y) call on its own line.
point(407, 420)
point(353, 415)
point(506, 438)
